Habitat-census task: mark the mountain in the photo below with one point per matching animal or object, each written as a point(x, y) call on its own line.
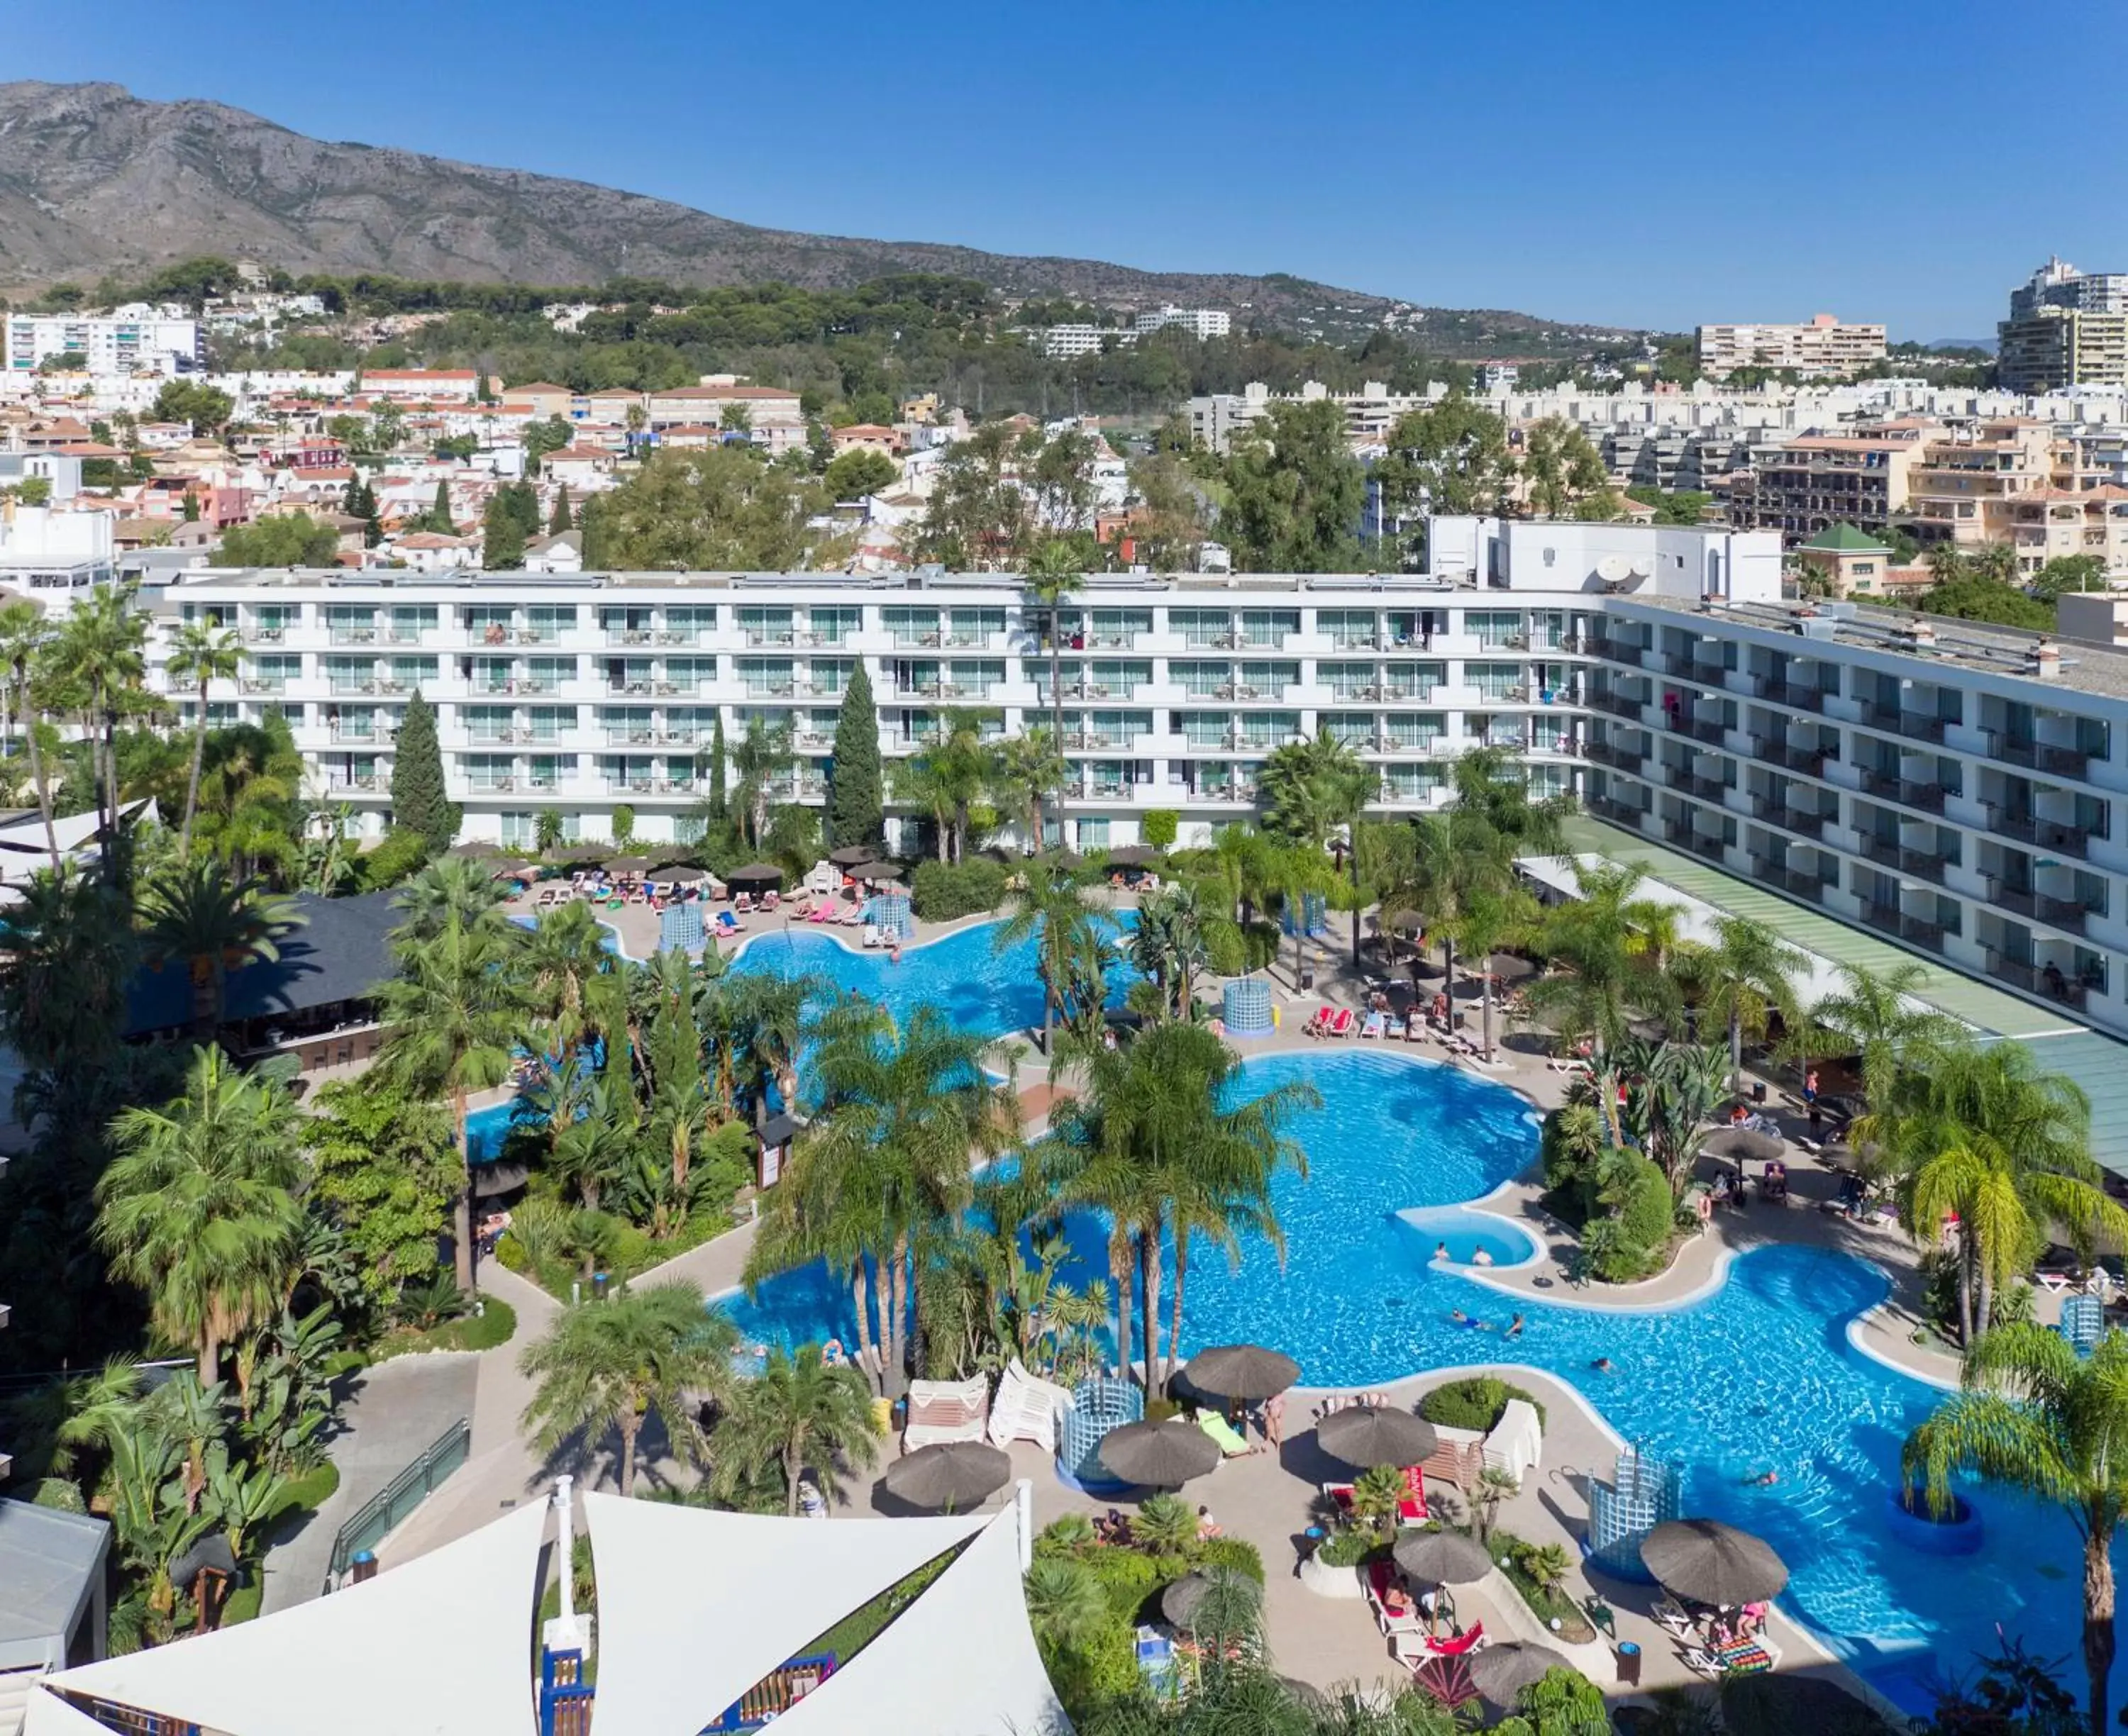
point(94, 180)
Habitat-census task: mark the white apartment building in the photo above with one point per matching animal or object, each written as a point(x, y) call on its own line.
point(132, 341)
point(1823, 345)
point(1201, 323)
point(52, 556)
point(1068, 342)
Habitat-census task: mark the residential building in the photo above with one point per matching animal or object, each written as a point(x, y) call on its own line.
point(2067, 329)
point(1809, 484)
point(866, 437)
point(421, 385)
point(1201, 323)
point(132, 340)
point(1845, 562)
point(541, 398)
point(1822, 345)
point(773, 416)
point(1067, 343)
point(50, 556)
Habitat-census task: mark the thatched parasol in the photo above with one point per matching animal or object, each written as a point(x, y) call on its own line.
point(1370, 1435)
point(1709, 1562)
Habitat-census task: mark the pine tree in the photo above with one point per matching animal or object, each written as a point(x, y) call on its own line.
point(715, 799)
point(439, 512)
point(502, 534)
point(855, 808)
point(561, 520)
point(419, 800)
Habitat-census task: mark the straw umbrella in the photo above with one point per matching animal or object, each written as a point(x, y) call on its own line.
point(850, 855)
point(1247, 1373)
point(1443, 1558)
point(1744, 1146)
point(1370, 1435)
point(1501, 1672)
point(1708, 1562)
point(1159, 1455)
point(948, 1475)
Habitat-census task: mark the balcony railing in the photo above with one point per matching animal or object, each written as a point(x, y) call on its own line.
point(1882, 851)
point(1711, 730)
point(1618, 705)
point(1799, 698)
point(1804, 884)
point(1927, 863)
point(1928, 797)
point(2039, 756)
point(2049, 980)
point(1811, 825)
point(2066, 913)
point(1707, 790)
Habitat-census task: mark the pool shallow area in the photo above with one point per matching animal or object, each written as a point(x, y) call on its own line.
point(1458, 1236)
point(1758, 1375)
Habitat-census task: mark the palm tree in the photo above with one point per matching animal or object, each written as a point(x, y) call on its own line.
point(1301, 868)
point(1493, 918)
point(798, 1412)
point(1153, 1142)
point(950, 778)
point(764, 1018)
point(452, 886)
point(203, 654)
point(1744, 978)
point(454, 1012)
point(2036, 1415)
point(199, 1207)
point(609, 1365)
point(25, 645)
point(1168, 946)
point(1983, 1135)
point(1071, 956)
point(99, 659)
point(1053, 579)
point(1308, 788)
point(212, 925)
point(563, 952)
point(69, 947)
point(1029, 768)
point(885, 1165)
point(1245, 860)
point(1873, 1011)
point(763, 755)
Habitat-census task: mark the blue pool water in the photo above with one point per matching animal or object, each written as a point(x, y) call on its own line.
point(1758, 1375)
point(1464, 1233)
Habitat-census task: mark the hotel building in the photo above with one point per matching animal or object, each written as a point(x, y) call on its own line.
point(1955, 789)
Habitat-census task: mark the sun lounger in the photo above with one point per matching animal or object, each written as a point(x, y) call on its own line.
point(1462, 1645)
point(727, 923)
point(1673, 1617)
point(946, 1409)
point(1377, 1023)
point(1381, 1577)
point(744, 901)
point(1026, 1408)
point(871, 934)
point(821, 912)
point(1232, 1443)
point(1341, 1024)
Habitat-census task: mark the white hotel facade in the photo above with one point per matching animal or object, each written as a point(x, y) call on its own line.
point(1965, 796)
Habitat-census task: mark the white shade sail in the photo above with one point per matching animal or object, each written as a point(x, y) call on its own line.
point(695, 1607)
point(960, 1661)
point(440, 1646)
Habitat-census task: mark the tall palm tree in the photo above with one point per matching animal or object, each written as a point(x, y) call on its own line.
point(99, 658)
point(1308, 788)
point(1609, 945)
point(1030, 768)
point(1301, 870)
point(799, 1412)
point(764, 1017)
point(199, 1207)
point(562, 954)
point(455, 1013)
point(452, 886)
point(68, 949)
point(884, 1166)
point(200, 653)
point(950, 778)
point(1505, 916)
point(25, 638)
point(1156, 1142)
point(1745, 977)
point(2035, 1415)
point(1873, 1011)
point(1168, 946)
point(764, 754)
point(199, 918)
point(1071, 956)
point(609, 1365)
point(1246, 859)
point(1981, 1133)
point(1053, 579)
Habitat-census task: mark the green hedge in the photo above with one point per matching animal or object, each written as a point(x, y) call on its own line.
point(942, 892)
point(1474, 1402)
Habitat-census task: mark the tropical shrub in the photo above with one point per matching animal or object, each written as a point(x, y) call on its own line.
point(403, 853)
point(1474, 1402)
point(942, 891)
point(1159, 826)
point(1234, 1552)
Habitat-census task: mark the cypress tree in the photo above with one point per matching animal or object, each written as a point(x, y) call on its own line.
point(439, 512)
point(523, 501)
point(856, 805)
point(419, 801)
point(502, 540)
point(715, 799)
point(560, 521)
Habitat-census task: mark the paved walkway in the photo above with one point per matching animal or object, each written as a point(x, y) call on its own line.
point(395, 1412)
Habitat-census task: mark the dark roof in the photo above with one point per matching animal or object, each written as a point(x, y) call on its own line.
point(779, 1130)
point(340, 953)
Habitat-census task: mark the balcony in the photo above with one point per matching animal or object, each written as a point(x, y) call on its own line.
point(1618, 705)
point(1919, 726)
point(351, 636)
point(363, 780)
point(491, 785)
point(755, 638)
point(263, 635)
point(628, 636)
point(1882, 851)
point(679, 636)
point(1711, 730)
point(262, 684)
point(2039, 756)
point(1803, 883)
point(1620, 813)
point(2048, 981)
point(1707, 790)
point(1924, 864)
point(2066, 914)
point(1708, 675)
point(1633, 656)
point(1810, 825)
point(1798, 698)
point(1926, 797)
point(1809, 760)
point(1604, 754)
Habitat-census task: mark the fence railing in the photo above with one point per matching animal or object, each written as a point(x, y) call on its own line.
point(384, 1510)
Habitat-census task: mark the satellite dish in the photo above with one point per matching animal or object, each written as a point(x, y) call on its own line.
point(1613, 569)
point(1643, 567)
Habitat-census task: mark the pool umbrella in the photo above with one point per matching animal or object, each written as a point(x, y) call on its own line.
point(948, 1475)
point(1742, 1144)
point(581, 853)
point(627, 864)
point(1133, 856)
point(755, 876)
point(1709, 1562)
point(1245, 1372)
point(850, 855)
point(1443, 1558)
point(1223, 1594)
point(1501, 1672)
point(680, 874)
point(1159, 1455)
point(514, 870)
point(875, 871)
point(1368, 1435)
point(475, 848)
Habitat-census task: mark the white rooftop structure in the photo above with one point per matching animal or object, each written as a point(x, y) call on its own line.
point(694, 1608)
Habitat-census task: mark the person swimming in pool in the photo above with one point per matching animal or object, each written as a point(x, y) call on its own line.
point(1483, 1257)
point(1765, 1480)
point(1441, 1250)
point(1515, 1327)
point(1602, 1365)
point(1458, 1317)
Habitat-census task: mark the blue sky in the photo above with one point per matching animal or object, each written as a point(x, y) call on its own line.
point(1654, 163)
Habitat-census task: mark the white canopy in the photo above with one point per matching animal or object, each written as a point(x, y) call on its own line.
point(695, 1607)
point(437, 1648)
point(960, 1661)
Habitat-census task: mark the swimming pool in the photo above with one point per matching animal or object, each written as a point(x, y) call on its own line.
point(1459, 1236)
point(1758, 1375)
